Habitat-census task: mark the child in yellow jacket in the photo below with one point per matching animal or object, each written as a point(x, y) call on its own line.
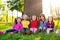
point(25, 24)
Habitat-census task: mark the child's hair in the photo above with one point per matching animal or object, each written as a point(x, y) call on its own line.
point(51, 21)
point(33, 15)
point(43, 16)
point(16, 20)
point(26, 16)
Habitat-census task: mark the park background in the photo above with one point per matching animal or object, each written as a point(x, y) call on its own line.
point(10, 9)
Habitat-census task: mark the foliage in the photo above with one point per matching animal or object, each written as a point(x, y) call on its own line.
point(17, 5)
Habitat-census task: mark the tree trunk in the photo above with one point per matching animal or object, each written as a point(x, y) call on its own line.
point(32, 7)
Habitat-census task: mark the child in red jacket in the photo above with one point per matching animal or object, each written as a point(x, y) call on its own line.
point(34, 24)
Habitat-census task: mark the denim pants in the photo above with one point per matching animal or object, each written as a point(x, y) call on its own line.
point(12, 30)
point(25, 30)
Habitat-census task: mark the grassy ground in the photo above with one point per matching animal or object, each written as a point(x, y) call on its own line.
point(38, 36)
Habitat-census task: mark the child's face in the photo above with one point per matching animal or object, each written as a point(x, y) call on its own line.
point(25, 17)
point(42, 17)
point(33, 17)
point(18, 20)
point(50, 19)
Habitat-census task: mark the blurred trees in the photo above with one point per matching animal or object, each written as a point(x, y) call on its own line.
point(10, 5)
point(16, 4)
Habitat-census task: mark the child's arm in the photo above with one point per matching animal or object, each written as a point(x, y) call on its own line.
point(20, 28)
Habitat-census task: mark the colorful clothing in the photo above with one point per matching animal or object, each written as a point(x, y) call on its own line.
point(50, 25)
point(43, 25)
point(33, 30)
point(25, 30)
point(34, 24)
point(16, 28)
point(12, 30)
point(25, 23)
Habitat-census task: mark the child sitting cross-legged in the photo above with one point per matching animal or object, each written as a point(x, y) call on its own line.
point(34, 24)
point(25, 24)
point(50, 24)
point(43, 22)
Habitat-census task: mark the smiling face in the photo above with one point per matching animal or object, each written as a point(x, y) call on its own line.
point(25, 17)
point(50, 19)
point(34, 17)
point(18, 20)
point(42, 17)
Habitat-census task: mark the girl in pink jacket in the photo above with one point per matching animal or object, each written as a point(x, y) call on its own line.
point(17, 27)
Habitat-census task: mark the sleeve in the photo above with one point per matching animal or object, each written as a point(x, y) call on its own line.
point(47, 25)
point(28, 22)
point(20, 28)
point(13, 25)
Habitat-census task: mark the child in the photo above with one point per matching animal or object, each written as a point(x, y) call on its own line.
point(34, 24)
point(43, 22)
point(25, 24)
point(50, 24)
point(17, 27)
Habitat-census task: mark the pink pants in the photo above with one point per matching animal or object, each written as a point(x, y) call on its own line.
point(33, 30)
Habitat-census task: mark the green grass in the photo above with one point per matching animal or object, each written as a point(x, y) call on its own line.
point(4, 26)
point(39, 36)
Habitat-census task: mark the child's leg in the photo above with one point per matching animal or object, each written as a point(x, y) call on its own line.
point(10, 30)
point(47, 30)
point(52, 30)
point(15, 31)
point(27, 31)
point(31, 29)
point(35, 30)
point(40, 29)
point(23, 30)
point(44, 29)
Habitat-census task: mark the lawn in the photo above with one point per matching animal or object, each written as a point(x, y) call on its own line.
point(38, 36)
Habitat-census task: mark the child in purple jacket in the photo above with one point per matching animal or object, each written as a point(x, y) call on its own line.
point(17, 27)
point(50, 24)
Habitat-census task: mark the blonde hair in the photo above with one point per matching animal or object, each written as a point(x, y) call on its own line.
point(25, 16)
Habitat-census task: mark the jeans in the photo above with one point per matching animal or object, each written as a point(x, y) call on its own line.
point(25, 30)
point(42, 28)
point(11, 30)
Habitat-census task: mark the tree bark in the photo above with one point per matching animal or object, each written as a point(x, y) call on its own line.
point(32, 7)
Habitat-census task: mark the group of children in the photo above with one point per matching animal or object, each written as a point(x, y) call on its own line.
point(33, 26)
